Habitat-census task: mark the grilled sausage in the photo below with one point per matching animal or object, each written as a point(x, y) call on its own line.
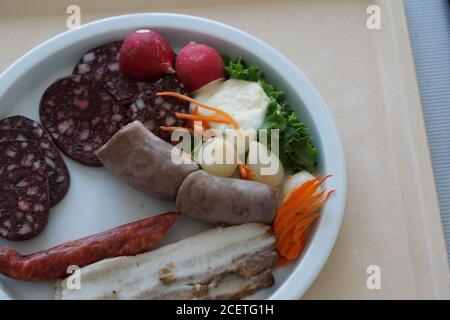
point(144, 161)
point(129, 239)
point(214, 199)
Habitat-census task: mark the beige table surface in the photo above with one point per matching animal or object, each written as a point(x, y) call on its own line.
point(368, 81)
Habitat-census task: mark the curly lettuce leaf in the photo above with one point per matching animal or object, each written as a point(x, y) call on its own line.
point(297, 150)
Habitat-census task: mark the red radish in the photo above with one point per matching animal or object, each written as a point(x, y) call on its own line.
point(146, 55)
point(197, 65)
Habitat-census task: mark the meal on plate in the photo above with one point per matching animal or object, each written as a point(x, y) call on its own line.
point(199, 129)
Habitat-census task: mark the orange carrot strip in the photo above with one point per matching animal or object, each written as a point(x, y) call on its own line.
point(284, 240)
point(289, 205)
point(307, 211)
point(295, 215)
point(313, 185)
point(292, 207)
point(245, 172)
point(194, 117)
point(242, 171)
point(200, 104)
point(300, 194)
point(311, 204)
point(293, 248)
point(295, 230)
point(304, 223)
point(164, 128)
point(297, 246)
point(190, 123)
point(308, 185)
point(282, 261)
point(315, 206)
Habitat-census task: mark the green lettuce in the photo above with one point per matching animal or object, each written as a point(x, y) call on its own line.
point(297, 150)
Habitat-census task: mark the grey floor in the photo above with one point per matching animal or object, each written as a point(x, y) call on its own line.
point(429, 27)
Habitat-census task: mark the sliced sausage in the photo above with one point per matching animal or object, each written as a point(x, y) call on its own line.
point(24, 191)
point(123, 89)
point(214, 199)
point(144, 161)
point(101, 65)
point(80, 116)
point(95, 58)
point(155, 111)
point(129, 239)
point(23, 129)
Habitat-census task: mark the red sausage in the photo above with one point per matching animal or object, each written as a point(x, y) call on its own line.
point(52, 264)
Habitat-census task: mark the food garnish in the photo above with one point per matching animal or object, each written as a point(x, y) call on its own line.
point(197, 65)
point(226, 116)
point(146, 55)
point(298, 210)
point(297, 150)
point(245, 172)
point(195, 117)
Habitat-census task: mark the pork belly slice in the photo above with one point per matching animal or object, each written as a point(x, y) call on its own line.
point(220, 263)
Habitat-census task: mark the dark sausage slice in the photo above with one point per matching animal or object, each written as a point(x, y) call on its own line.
point(24, 191)
point(155, 111)
point(23, 129)
point(93, 59)
point(129, 239)
point(122, 88)
point(214, 199)
point(80, 116)
point(102, 65)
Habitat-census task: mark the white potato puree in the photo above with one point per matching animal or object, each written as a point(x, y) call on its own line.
point(245, 101)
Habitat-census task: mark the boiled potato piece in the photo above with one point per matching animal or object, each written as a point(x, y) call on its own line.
point(218, 157)
point(265, 165)
point(295, 181)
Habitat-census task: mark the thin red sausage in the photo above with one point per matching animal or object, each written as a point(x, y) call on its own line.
point(52, 264)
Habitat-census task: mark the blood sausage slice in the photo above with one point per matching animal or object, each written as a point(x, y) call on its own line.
point(24, 192)
point(23, 129)
point(93, 59)
point(155, 111)
point(102, 65)
point(81, 116)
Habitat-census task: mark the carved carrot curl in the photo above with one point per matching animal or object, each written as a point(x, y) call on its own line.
point(298, 210)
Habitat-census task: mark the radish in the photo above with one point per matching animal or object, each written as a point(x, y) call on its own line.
point(197, 65)
point(146, 55)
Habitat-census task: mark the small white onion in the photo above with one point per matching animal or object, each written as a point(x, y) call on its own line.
point(217, 157)
point(265, 165)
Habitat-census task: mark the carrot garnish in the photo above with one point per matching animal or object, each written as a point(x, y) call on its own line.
point(245, 172)
point(194, 117)
point(229, 118)
point(298, 210)
point(164, 128)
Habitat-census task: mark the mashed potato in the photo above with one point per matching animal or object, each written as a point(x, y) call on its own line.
point(245, 101)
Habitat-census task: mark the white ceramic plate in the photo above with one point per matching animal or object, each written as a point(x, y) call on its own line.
point(98, 201)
